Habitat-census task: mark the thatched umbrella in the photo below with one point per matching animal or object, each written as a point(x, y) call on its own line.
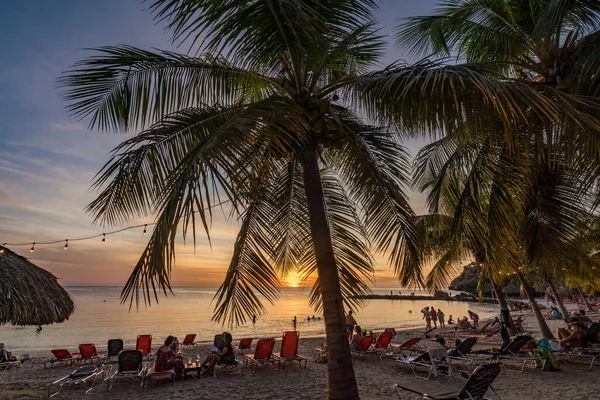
point(512, 290)
point(30, 295)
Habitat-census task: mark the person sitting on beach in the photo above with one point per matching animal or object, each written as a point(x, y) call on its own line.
point(553, 313)
point(224, 356)
point(495, 323)
point(7, 356)
point(167, 359)
point(350, 321)
point(464, 323)
point(583, 318)
point(571, 334)
point(450, 320)
point(355, 339)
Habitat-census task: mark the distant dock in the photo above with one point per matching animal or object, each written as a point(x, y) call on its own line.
point(420, 297)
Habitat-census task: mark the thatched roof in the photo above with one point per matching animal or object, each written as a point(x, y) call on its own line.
point(30, 295)
point(512, 290)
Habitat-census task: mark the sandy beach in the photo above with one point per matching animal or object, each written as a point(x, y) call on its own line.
point(375, 381)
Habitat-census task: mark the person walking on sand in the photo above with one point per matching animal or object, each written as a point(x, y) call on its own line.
point(427, 318)
point(350, 321)
point(441, 317)
point(434, 317)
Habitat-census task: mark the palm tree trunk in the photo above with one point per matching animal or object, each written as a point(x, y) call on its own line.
point(342, 382)
point(504, 311)
point(535, 307)
point(587, 303)
point(561, 305)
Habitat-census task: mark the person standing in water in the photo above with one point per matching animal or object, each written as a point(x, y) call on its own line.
point(350, 321)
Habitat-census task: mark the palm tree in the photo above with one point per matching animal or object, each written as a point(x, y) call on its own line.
point(280, 113)
point(506, 209)
point(552, 43)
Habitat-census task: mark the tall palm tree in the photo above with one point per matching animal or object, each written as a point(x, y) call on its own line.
point(507, 209)
point(281, 112)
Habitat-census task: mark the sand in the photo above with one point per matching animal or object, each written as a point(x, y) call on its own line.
point(375, 381)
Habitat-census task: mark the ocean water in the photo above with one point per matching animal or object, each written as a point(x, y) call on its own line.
point(99, 316)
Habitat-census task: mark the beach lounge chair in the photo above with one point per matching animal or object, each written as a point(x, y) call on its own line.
point(88, 353)
point(129, 367)
point(411, 346)
point(188, 341)
point(144, 344)
point(114, 347)
point(61, 356)
point(244, 347)
point(7, 364)
point(435, 361)
point(150, 373)
point(474, 389)
point(383, 342)
point(463, 350)
point(289, 349)
point(363, 348)
point(81, 375)
point(262, 355)
point(514, 352)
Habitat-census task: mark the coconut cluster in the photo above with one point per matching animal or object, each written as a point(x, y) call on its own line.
point(325, 123)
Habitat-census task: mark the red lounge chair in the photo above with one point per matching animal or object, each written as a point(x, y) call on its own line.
point(245, 346)
point(188, 341)
point(410, 345)
point(383, 342)
point(364, 347)
point(289, 349)
point(262, 355)
point(144, 344)
point(62, 356)
point(87, 352)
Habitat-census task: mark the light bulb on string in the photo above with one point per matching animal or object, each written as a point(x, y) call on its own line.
point(103, 238)
point(144, 233)
point(32, 247)
point(66, 244)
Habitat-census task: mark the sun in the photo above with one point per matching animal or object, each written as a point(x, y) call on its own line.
point(294, 284)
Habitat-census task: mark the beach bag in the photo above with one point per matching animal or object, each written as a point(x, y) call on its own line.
point(546, 353)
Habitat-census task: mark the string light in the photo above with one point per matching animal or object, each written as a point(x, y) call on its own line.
point(103, 235)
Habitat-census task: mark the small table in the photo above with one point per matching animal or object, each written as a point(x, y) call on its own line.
point(192, 368)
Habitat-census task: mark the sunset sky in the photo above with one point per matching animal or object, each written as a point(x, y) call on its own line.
point(48, 159)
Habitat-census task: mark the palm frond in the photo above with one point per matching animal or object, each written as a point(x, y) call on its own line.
point(353, 259)
point(126, 87)
point(374, 168)
point(435, 99)
point(250, 274)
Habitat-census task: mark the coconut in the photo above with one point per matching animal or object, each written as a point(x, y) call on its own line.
point(319, 126)
point(313, 103)
point(324, 108)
